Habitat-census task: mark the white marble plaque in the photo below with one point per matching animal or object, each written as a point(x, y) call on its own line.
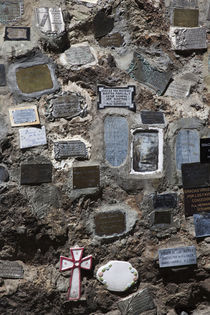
point(180, 256)
point(50, 20)
point(179, 89)
point(32, 137)
point(188, 38)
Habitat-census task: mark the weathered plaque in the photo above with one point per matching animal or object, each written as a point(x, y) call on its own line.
point(32, 137)
point(186, 17)
point(79, 55)
point(195, 175)
point(202, 224)
point(180, 256)
point(50, 20)
point(196, 200)
point(162, 217)
point(10, 10)
point(4, 176)
point(11, 270)
point(205, 150)
point(102, 24)
point(168, 200)
point(34, 173)
point(86, 177)
point(116, 139)
point(112, 40)
point(187, 147)
point(150, 118)
point(145, 151)
point(116, 97)
point(142, 71)
point(72, 148)
point(2, 75)
point(188, 38)
point(179, 88)
point(23, 116)
point(67, 106)
point(109, 223)
point(17, 33)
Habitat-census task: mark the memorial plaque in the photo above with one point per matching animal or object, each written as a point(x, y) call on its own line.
point(17, 33)
point(116, 139)
point(196, 200)
point(10, 10)
point(179, 88)
point(187, 147)
point(112, 40)
point(202, 224)
point(11, 270)
point(23, 116)
point(142, 71)
point(165, 201)
point(32, 174)
point(150, 118)
point(86, 177)
point(180, 256)
point(109, 223)
point(116, 97)
point(188, 38)
point(32, 137)
point(73, 148)
point(186, 17)
point(2, 75)
point(162, 217)
point(67, 106)
point(205, 150)
point(102, 24)
point(195, 175)
point(145, 151)
point(50, 20)
point(79, 55)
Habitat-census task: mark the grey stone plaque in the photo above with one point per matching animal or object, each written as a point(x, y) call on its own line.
point(180, 256)
point(187, 147)
point(10, 10)
point(151, 118)
point(23, 116)
point(196, 175)
point(34, 173)
point(145, 151)
point(109, 223)
point(73, 148)
point(179, 88)
point(11, 270)
point(188, 38)
point(66, 106)
point(168, 200)
point(202, 224)
point(115, 139)
point(32, 137)
point(79, 55)
point(2, 75)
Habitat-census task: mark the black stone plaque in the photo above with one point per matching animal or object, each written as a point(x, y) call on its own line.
point(67, 106)
point(73, 148)
point(195, 175)
point(17, 33)
point(149, 117)
point(196, 200)
point(202, 224)
point(165, 200)
point(86, 177)
point(205, 150)
point(112, 40)
point(162, 217)
point(36, 173)
point(2, 75)
point(103, 24)
point(109, 223)
point(180, 256)
point(10, 270)
point(4, 176)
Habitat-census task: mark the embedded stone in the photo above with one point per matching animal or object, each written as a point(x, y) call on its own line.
point(186, 17)
point(72, 148)
point(35, 173)
point(2, 75)
point(188, 38)
point(86, 177)
point(50, 20)
point(11, 10)
point(112, 40)
point(103, 24)
point(17, 33)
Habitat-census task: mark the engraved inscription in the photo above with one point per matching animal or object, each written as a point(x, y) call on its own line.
point(196, 200)
point(180, 256)
point(202, 224)
point(165, 200)
point(50, 20)
point(195, 175)
point(149, 117)
point(66, 106)
point(114, 40)
point(73, 148)
point(79, 55)
point(86, 177)
point(109, 223)
point(116, 97)
point(10, 270)
point(10, 10)
point(21, 116)
point(188, 38)
point(32, 137)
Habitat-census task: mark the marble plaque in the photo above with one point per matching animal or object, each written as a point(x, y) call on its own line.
point(205, 150)
point(162, 217)
point(187, 147)
point(116, 97)
point(168, 200)
point(67, 106)
point(11, 10)
point(102, 24)
point(24, 116)
point(72, 148)
point(145, 151)
point(79, 55)
point(112, 40)
point(116, 139)
point(11, 270)
point(2, 75)
point(33, 174)
point(195, 175)
point(151, 118)
point(86, 177)
point(196, 200)
point(202, 224)
point(188, 38)
point(17, 33)
point(32, 137)
point(179, 88)
point(180, 256)
point(186, 17)
point(50, 20)
point(109, 223)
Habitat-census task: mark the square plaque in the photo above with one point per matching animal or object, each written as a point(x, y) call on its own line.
point(162, 217)
point(32, 174)
point(86, 177)
point(165, 201)
point(180, 256)
point(205, 150)
point(11, 10)
point(186, 17)
point(2, 75)
point(73, 148)
point(17, 33)
point(32, 137)
point(109, 223)
point(24, 116)
point(195, 175)
point(196, 200)
point(202, 224)
point(151, 118)
point(66, 106)
point(11, 270)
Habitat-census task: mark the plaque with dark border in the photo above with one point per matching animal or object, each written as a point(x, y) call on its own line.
point(86, 177)
point(149, 117)
point(186, 17)
point(109, 223)
point(165, 201)
point(180, 256)
point(195, 175)
point(162, 217)
point(196, 200)
point(202, 224)
point(32, 174)
point(17, 33)
point(71, 148)
point(205, 150)
point(121, 97)
point(2, 75)
point(11, 270)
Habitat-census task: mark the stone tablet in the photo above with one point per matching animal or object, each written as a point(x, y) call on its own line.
point(67, 106)
point(180, 256)
point(17, 33)
point(165, 201)
point(11, 10)
point(73, 148)
point(116, 97)
point(4, 175)
point(116, 139)
point(102, 24)
point(202, 224)
point(205, 150)
point(50, 20)
point(79, 55)
point(33, 174)
point(109, 223)
point(86, 177)
point(24, 116)
point(186, 17)
point(195, 175)
point(32, 137)
point(179, 88)
point(187, 147)
point(188, 38)
point(196, 200)
point(162, 217)
point(112, 40)
point(152, 118)
point(2, 75)
point(11, 270)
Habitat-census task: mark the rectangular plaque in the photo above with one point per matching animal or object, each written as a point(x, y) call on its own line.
point(205, 150)
point(17, 33)
point(188, 38)
point(179, 88)
point(116, 97)
point(195, 175)
point(11, 270)
point(202, 224)
point(186, 17)
point(24, 116)
point(165, 200)
point(11, 10)
point(109, 222)
point(180, 256)
point(32, 137)
point(2, 75)
point(67, 106)
point(73, 148)
point(78, 55)
point(32, 174)
point(151, 118)
point(196, 200)
point(162, 217)
point(86, 177)
point(50, 20)
point(112, 40)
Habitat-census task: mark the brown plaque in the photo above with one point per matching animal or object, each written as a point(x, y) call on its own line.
point(109, 223)
point(196, 200)
point(114, 40)
point(162, 217)
point(36, 174)
point(186, 17)
point(86, 177)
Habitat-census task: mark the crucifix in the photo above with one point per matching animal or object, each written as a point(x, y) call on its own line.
point(75, 263)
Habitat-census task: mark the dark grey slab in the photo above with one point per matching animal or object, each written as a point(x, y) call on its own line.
point(10, 270)
point(205, 150)
point(17, 33)
point(86, 177)
point(32, 174)
point(73, 148)
point(109, 223)
point(202, 224)
point(196, 200)
point(180, 256)
point(195, 175)
point(4, 175)
point(66, 106)
point(116, 139)
point(162, 217)
point(168, 200)
point(149, 117)
point(2, 75)
point(102, 24)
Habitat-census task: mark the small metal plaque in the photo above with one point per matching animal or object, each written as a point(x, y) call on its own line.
point(17, 33)
point(102, 24)
point(180, 256)
point(79, 55)
point(162, 217)
point(24, 116)
point(2, 75)
point(196, 200)
point(186, 17)
point(73, 148)
point(112, 40)
point(109, 223)
point(150, 118)
point(195, 175)
point(32, 174)
point(32, 137)
point(188, 38)
point(86, 177)
point(165, 201)
point(11, 10)
point(67, 106)
point(11, 270)
point(116, 97)
point(50, 20)
point(202, 224)
point(205, 150)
